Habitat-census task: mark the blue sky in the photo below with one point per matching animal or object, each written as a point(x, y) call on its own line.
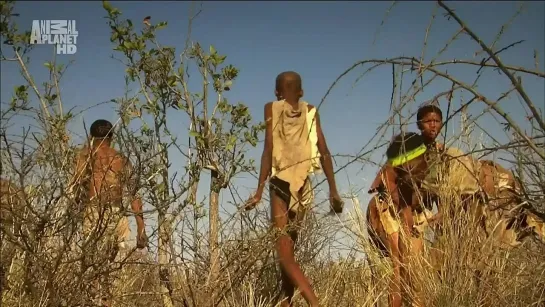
point(317, 39)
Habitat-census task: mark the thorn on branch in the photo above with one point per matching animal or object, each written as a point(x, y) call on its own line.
point(498, 52)
point(447, 15)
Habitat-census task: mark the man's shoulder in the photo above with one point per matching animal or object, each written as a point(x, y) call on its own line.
point(82, 153)
point(82, 150)
point(269, 109)
point(119, 161)
point(118, 156)
point(274, 104)
point(313, 109)
point(111, 154)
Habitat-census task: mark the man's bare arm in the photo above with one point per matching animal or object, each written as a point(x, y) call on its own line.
point(386, 178)
point(136, 206)
point(131, 186)
point(325, 157)
point(389, 177)
point(79, 183)
point(81, 160)
point(378, 183)
point(266, 157)
point(402, 207)
point(335, 200)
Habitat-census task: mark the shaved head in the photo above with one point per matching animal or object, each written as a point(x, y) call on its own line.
point(101, 129)
point(289, 84)
point(289, 81)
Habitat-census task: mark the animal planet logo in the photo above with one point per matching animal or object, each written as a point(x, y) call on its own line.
point(62, 33)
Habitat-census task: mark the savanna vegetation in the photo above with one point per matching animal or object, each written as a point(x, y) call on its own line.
point(196, 256)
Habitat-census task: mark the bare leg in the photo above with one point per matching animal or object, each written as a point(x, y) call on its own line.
point(375, 240)
point(416, 251)
point(409, 248)
point(285, 249)
point(392, 245)
point(107, 297)
point(288, 289)
point(395, 284)
point(380, 240)
point(374, 279)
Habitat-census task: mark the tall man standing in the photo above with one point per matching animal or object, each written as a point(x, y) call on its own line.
point(294, 143)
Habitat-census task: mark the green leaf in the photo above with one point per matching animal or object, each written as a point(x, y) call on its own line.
point(127, 44)
point(194, 134)
point(220, 59)
point(107, 6)
point(20, 89)
point(161, 25)
point(141, 45)
point(212, 50)
point(231, 143)
point(48, 65)
point(161, 187)
point(172, 80)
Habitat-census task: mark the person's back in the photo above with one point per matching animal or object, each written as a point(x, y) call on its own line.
point(107, 169)
point(107, 181)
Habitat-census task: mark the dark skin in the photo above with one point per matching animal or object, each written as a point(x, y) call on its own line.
point(397, 248)
point(107, 158)
point(388, 175)
point(117, 163)
point(292, 276)
point(429, 126)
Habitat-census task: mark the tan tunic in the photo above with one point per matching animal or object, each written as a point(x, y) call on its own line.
point(295, 152)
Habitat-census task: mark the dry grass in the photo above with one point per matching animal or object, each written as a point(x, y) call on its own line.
point(512, 277)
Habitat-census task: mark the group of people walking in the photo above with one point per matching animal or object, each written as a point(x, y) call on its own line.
point(294, 148)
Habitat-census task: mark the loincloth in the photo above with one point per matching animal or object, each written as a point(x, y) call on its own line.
point(110, 224)
point(537, 225)
point(421, 219)
point(391, 223)
point(296, 203)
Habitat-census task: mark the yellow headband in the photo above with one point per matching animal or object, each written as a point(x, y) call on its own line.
point(413, 154)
